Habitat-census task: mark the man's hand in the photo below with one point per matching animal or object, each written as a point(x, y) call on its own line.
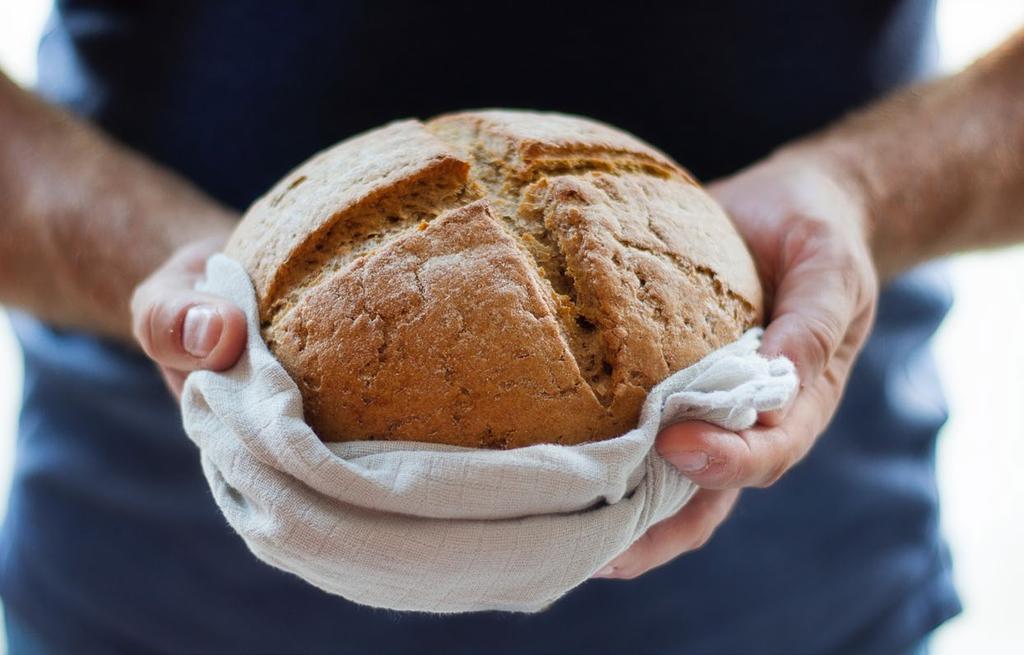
point(939, 169)
point(180, 328)
point(808, 233)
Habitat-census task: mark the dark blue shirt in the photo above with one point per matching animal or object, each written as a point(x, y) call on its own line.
point(112, 542)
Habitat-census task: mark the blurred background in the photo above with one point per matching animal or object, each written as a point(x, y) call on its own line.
point(980, 351)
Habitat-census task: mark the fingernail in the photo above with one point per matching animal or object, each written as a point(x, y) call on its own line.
point(201, 330)
point(689, 461)
point(604, 572)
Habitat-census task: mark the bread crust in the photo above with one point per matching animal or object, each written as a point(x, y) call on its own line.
point(491, 279)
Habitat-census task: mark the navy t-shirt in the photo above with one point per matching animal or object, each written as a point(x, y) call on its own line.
point(112, 542)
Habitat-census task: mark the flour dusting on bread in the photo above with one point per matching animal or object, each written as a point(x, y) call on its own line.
point(491, 279)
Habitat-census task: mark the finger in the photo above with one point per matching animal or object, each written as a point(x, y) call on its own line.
point(192, 258)
point(187, 330)
point(716, 458)
point(687, 530)
point(816, 298)
point(774, 417)
point(839, 363)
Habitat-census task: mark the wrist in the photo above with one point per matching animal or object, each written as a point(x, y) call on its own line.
point(127, 216)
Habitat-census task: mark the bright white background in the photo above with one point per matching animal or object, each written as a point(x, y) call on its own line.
point(981, 357)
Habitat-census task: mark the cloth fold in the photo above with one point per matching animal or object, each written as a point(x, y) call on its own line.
point(435, 528)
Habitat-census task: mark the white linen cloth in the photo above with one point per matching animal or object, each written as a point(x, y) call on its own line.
point(435, 528)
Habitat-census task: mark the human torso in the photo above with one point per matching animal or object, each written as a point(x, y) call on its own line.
point(112, 531)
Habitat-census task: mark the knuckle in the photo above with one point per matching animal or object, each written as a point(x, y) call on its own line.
point(806, 235)
point(821, 335)
point(728, 467)
point(702, 537)
point(630, 575)
point(732, 466)
point(848, 269)
point(809, 228)
point(733, 472)
point(631, 563)
point(832, 249)
point(629, 572)
point(788, 454)
point(773, 474)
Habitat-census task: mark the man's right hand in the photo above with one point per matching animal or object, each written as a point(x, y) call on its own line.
point(182, 329)
point(807, 230)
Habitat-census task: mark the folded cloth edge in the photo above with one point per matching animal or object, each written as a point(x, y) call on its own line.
point(333, 513)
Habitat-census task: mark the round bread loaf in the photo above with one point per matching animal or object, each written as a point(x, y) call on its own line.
point(491, 279)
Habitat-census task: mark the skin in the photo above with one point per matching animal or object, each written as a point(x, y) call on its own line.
point(935, 169)
point(83, 221)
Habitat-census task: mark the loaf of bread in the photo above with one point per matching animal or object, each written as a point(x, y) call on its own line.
point(491, 279)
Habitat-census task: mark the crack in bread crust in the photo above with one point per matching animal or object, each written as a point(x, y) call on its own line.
point(509, 189)
point(359, 230)
point(528, 220)
point(615, 320)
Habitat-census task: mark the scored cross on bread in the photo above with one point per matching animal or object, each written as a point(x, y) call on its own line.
point(491, 279)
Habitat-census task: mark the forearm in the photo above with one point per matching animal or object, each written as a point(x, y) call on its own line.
point(83, 220)
point(939, 167)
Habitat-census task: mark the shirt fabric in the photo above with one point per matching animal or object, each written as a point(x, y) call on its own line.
point(112, 542)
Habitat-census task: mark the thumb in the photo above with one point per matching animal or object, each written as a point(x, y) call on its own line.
point(187, 330)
